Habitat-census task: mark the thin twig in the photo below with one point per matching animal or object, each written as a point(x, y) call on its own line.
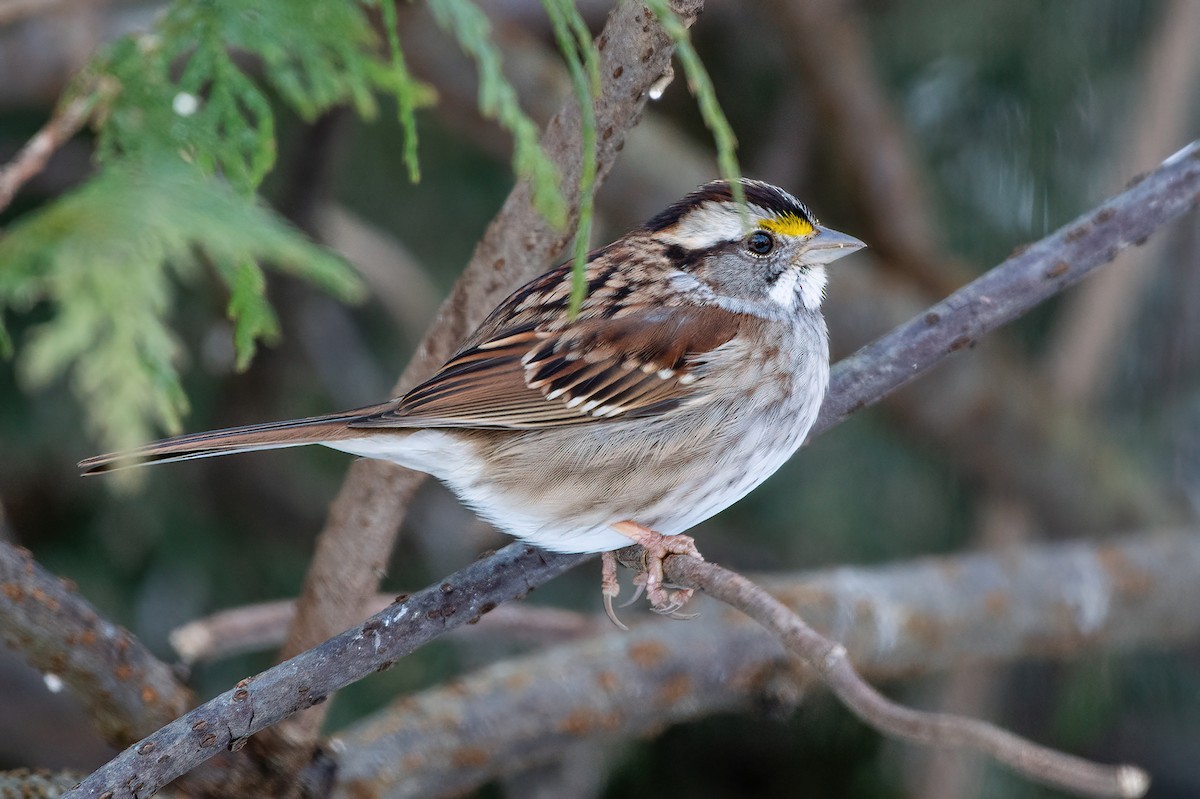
point(125, 690)
point(898, 621)
point(68, 119)
point(261, 626)
point(831, 661)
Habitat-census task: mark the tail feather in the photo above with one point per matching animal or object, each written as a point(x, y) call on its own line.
point(248, 438)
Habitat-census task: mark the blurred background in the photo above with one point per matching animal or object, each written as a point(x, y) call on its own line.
point(944, 133)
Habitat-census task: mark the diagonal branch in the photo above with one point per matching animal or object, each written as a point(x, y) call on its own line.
point(1003, 293)
point(1031, 276)
point(227, 721)
point(68, 119)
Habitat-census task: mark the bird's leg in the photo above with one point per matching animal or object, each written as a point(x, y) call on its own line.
point(659, 547)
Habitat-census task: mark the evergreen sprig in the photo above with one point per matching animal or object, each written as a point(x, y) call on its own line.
point(99, 257)
point(188, 130)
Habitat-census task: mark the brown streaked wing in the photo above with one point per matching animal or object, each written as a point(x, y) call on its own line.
point(645, 362)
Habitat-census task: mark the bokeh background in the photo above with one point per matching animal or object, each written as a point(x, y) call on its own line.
point(945, 133)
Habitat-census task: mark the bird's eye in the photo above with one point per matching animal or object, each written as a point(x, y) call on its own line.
point(760, 242)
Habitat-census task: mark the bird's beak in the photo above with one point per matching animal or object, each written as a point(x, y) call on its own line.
point(828, 245)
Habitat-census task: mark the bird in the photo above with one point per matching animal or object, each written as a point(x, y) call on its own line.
point(692, 370)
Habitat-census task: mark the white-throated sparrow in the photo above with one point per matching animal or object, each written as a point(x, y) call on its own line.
point(693, 370)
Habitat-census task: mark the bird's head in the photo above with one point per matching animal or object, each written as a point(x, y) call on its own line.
point(774, 254)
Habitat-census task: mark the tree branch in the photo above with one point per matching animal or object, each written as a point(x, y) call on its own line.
point(897, 621)
point(68, 119)
point(227, 721)
point(125, 690)
point(831, 661)
point(1029, 277)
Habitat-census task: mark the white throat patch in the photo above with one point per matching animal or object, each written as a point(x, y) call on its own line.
point(808, 282)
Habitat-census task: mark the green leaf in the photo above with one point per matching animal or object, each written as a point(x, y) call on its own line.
point(103, 257)
point(316, 54)
point(248, 307)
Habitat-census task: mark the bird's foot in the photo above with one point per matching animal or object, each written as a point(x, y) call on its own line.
point(657, 547)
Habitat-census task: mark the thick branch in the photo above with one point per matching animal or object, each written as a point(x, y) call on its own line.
point(897, 621)
point(124, 689)
point(258, 702)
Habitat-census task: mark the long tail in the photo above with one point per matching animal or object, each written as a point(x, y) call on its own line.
point(271, 435)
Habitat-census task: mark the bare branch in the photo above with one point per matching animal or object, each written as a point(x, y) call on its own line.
point(261, 626)
point(897, 621)
point(227, 721)
point(124, 689)
point(68, 119)
point(831, 661)
point(1029, 277)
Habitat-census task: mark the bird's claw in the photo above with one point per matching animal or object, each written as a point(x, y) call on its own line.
point(664, 600)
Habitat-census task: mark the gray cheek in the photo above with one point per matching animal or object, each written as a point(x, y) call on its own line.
point(748, 277)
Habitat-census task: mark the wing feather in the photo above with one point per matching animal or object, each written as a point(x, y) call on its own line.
point(648, 360)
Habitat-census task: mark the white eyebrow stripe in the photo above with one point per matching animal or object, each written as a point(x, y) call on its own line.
point(709, 224)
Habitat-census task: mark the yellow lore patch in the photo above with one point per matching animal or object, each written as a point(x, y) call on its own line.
point(787, 225)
